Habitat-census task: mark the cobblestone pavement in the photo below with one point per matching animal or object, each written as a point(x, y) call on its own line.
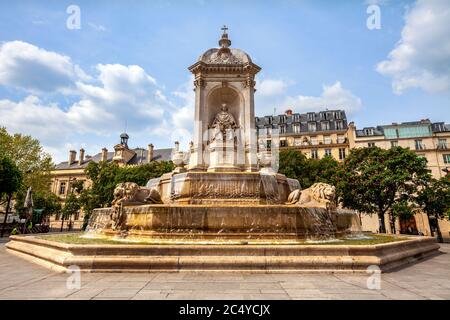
point(20, 279)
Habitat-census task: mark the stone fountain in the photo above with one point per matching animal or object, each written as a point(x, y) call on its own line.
point(224, 207)
point(226, 186)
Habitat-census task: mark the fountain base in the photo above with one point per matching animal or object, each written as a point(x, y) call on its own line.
point(267, 258)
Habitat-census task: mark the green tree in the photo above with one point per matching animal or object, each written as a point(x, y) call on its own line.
point(10, 182)
point(34, 164)
point(435, 201)
point(106, 175)
point(374, 180)
point(295, 165)
point(71, 207)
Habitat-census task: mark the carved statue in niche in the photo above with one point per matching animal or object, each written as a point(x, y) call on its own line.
point(224, 123)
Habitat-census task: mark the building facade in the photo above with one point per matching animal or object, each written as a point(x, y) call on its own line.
point(316, 134)
point(427, 139)
point(66, 173)
point(327, 133)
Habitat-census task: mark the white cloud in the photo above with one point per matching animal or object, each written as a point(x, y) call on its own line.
point(97, 27)
point(35, 70)
point(421, 59)
point(116, 95)
point(271, 97)
point(271, 87)
point(333, 96)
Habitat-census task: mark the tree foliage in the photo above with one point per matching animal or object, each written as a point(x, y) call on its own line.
point(374, 180)
point(105, 177)
point(34, 164)
point(435, 201)
point(296, 165)
point(10, 177)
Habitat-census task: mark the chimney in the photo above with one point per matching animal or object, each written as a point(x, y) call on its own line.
point(81, 160)
point(150, 152)
point(177, 146)
point(104, 155)
point(72, 156)
point(288, 112)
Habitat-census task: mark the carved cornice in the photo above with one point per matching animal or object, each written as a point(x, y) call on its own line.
point(201, 67)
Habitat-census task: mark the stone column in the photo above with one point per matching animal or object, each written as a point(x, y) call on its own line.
point(196, 161)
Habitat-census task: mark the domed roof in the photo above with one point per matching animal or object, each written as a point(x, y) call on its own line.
point(224, 54)
point(218, 56)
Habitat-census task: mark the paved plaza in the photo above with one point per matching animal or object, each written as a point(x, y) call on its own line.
point(20, 279)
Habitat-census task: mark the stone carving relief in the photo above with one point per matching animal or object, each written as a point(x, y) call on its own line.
point(222, 57)
point(318, 195)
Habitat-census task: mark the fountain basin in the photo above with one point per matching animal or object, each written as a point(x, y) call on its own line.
point(223, 222)
point(224, 188)
point(267, 258)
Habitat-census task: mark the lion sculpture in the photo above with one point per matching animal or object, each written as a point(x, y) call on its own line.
point(318, 195)
point(130, 193)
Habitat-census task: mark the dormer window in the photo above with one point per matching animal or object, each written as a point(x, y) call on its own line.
point(368, 131)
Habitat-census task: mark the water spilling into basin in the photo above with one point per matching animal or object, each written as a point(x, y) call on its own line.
point(270, 188)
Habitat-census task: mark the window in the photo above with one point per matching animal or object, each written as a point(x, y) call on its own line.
point(419, 145)
point(446, 158)
point(314, 141)
point(269, 144)
point(269, 120)
point(77, 215)
point(327, 140)
point(394, 144)
point(341, 153)
point(282, 129)
point(368, 131)
point(371, 144)
point(298, 142)
point(62, 188)
point(296, 128)
point(340, 139)
point(339, 125)
point(325, 125)
point(327, 152)
point(314, 154)
point(311, 116)
point(312, 126)
point(283, 143)
point(268, 131)
point(282, 119)
point(337, 115)
point(442, 144)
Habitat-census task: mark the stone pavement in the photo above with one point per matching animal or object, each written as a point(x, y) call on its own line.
point(429, 279)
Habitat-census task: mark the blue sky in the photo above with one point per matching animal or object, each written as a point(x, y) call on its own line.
point(128, 64)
